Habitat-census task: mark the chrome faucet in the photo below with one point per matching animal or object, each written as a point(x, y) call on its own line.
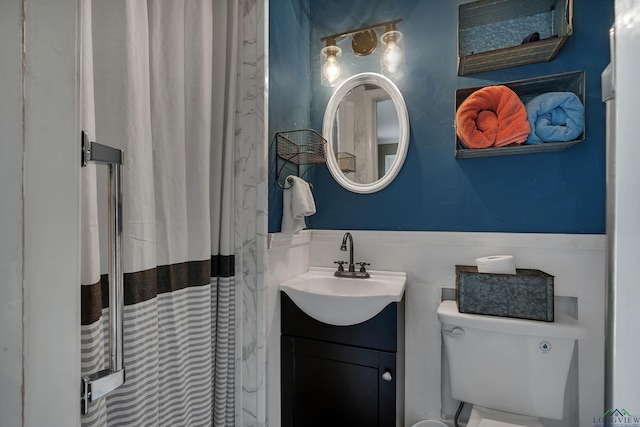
point(362, 274)
point(343, 247)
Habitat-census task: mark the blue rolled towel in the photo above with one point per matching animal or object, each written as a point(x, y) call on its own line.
point(554, 116)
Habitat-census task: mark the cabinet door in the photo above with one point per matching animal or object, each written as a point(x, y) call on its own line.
point(326, 384)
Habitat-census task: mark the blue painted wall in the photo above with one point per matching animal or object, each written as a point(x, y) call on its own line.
point(289, 85)
point(554, 192)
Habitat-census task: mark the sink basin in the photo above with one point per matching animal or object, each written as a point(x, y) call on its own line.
point(344, 301)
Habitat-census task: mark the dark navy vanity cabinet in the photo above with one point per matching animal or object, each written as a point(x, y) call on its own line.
point(338, 375)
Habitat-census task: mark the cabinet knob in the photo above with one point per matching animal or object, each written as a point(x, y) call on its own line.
point(387, 376)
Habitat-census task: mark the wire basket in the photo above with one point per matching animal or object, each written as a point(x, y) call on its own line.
point(301, 147)
point(346, 161)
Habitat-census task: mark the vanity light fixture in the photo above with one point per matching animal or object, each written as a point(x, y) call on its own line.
point(363, 42)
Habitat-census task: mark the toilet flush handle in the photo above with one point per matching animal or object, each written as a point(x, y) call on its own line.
point(454, 332)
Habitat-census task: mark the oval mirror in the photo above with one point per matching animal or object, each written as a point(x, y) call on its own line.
point(366, 125)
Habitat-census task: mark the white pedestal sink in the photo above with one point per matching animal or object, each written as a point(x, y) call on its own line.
point(344, 301)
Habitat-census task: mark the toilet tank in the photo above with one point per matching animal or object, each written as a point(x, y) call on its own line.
point(512, 365)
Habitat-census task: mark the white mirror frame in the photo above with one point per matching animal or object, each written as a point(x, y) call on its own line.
point(403, 140)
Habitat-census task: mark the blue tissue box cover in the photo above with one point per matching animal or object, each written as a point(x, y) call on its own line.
point(527, 295)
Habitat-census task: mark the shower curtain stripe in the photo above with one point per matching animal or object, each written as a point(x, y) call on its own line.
point(223, 349)
point(91, 303)
point(174, 332)
point(148, 74)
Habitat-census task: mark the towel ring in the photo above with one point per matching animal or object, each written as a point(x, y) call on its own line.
point(291, 182)
point(288, 180)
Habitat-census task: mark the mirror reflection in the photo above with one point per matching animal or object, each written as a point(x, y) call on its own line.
point(366, 133)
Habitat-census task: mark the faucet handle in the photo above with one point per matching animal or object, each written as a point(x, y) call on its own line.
point(362, 264)
point(340, 263)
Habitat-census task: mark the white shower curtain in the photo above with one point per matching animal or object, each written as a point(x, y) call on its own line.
point(155, 84)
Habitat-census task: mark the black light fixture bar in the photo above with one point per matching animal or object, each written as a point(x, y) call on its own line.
point(359, 30)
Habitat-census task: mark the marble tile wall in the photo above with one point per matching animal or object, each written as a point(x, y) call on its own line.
point(251, 214)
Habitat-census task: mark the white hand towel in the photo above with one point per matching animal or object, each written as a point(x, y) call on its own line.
point(297, 202)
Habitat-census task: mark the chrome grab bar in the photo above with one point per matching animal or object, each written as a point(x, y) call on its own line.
point(105, 381)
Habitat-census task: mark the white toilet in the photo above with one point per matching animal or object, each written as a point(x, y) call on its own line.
point(512, 371)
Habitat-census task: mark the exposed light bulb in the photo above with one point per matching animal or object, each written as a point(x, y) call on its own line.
point(392, 56)
point(331, 69)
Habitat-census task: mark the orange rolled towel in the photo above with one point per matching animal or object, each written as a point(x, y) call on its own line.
point(493, 116)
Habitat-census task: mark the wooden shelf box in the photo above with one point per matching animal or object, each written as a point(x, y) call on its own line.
point(490, 33)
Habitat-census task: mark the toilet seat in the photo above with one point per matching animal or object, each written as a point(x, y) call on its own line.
point(485, 417)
